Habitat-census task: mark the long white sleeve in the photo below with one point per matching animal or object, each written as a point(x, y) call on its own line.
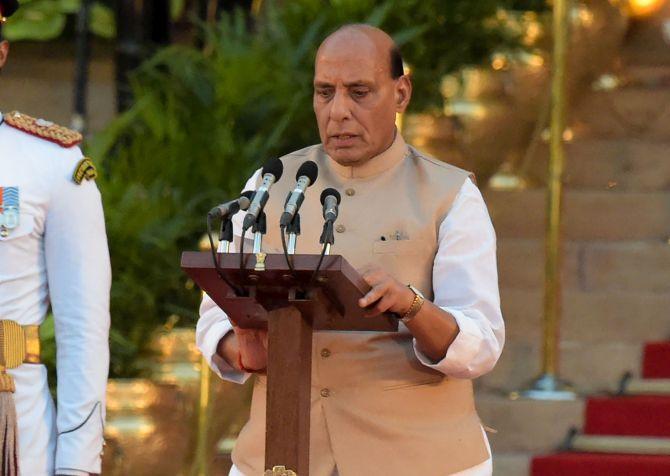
point(214, 324)
point(79, 277)
point(465, 284)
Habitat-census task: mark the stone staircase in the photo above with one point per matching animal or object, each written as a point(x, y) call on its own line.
point(616, 291)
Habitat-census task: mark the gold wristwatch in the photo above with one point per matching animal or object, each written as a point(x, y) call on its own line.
point(415, 307)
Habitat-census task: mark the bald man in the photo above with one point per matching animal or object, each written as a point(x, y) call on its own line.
point(418, 229)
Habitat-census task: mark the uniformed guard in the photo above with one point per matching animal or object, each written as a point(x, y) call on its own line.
point(53, 252)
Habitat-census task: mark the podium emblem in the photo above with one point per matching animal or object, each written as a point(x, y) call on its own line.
point(279, 471)
point(260, 262)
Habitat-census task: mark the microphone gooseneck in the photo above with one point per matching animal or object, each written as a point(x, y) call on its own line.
point(272, 172)
point(231, 207)
point(330, 199)
point(305, 177)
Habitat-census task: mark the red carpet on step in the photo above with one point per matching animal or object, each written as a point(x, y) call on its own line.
point(598, 464)
point(656, 362)
point(628, 416)
point(620, 416)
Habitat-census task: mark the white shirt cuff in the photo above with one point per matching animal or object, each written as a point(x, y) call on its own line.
point(461, 354)
point(208, 344)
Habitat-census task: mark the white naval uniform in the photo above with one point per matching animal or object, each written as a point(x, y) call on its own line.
point(57, 254)
point(466, 254)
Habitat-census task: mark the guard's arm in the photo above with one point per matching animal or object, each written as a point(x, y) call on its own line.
point(79, 277)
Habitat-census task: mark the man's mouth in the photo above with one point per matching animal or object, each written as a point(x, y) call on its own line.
point(343, 139)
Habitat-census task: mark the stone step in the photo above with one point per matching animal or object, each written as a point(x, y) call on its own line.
point(589, 366)
point(527, 426)
point(588, 266)
point(587, 215)
point(648, 75)
point(629, 112)
point(637, 445)
point(601, 316)
point(640, 386)
point(606, 165)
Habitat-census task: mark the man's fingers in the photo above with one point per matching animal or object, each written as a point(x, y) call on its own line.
point(373, 295)
point(381, 306)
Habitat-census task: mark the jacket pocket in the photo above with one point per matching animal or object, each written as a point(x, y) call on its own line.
point(416, 383)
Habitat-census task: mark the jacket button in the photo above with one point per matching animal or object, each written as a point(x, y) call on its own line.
point(325, 353)
point(350, 192)
point(340, 228)
point(325, 393)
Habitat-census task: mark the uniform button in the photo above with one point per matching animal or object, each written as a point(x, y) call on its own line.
point(350, 192)
point(325, 393)
point(340, 228)
point(325, 353)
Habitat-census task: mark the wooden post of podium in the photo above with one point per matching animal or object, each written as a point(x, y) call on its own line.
point(289, 383)
point(291, 318)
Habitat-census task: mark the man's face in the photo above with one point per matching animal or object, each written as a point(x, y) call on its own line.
point(356, 99)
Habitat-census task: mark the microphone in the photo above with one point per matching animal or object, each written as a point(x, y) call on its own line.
point(330, 199)
point(306, 176)
point(233, 206)
point(272, 171)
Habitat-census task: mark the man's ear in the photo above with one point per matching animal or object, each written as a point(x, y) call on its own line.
point(403, 93)
point(4, 52)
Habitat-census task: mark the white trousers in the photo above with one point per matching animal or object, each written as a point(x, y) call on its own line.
point(482, 469)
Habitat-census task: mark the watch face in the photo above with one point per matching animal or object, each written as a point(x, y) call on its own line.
point(416, 291)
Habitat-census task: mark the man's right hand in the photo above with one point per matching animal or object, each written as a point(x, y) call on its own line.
point(245, 349)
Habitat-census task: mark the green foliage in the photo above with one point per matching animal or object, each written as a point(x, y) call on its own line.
point(44, 20)
point(203, 120)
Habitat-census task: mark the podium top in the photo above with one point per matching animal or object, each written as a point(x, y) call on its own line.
point(331, 303)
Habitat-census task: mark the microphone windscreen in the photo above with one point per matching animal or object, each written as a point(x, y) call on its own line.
point(330, 191)
point(308, 169)
point(244, 202)
point(274, 167)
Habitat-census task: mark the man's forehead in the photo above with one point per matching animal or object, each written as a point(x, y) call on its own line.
point(349, 56)
point(348, 69)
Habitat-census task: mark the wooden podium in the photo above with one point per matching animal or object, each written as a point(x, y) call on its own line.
point(283, 301)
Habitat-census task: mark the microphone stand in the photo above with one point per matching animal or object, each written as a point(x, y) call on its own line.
point(293, 230)
point(225, 235)
point(327, 237)
point(259, 229)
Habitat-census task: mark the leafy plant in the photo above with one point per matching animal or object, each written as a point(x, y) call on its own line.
point(44, 20)
point(203, 119)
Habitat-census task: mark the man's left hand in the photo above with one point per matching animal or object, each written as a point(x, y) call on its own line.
point(387, 293)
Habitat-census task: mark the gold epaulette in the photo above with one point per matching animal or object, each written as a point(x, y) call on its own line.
point(84, 170)
point(46, 130)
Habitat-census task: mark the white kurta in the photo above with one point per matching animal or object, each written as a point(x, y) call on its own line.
point(57, 255)
point(465, 284)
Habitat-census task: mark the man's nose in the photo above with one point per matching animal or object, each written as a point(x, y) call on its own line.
point(339, 108)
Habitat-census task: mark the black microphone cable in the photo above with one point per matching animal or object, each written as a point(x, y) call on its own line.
point(330, 213)
point(217, 265)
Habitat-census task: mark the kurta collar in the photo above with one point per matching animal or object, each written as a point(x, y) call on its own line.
point(376, 165)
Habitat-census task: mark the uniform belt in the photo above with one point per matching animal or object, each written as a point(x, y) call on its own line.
point(18, 345)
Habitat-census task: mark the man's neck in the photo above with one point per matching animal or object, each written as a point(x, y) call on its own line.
point(387, 159)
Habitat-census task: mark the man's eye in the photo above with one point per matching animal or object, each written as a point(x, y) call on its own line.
point(359, 93)
point(324, 93)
